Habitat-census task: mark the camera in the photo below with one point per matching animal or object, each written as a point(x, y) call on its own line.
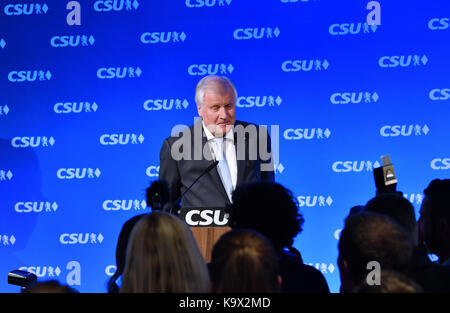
point(385, 179)
point(21, 278)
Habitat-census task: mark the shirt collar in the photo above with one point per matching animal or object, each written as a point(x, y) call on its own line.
point(209, 135)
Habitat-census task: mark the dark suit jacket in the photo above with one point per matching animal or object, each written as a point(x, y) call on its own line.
point(209, 190)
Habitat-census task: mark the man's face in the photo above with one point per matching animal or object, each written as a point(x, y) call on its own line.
point(218, 110)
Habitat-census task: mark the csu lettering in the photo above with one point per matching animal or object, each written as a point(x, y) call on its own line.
point(204, 3)
point(440, 164)
point(353, 166)
point(27, 207)
point(115, 5)
point(209, 69)
point(77, 173)
point(26, 9)
point(205, 218)
point(72, 41)
point(80, 238)
point(440, 94)
point(163, 37)
point(24, 142)
point(439, 23)
point(346, 28)
point(126, 205)
point(29, 76)
point(74, 107)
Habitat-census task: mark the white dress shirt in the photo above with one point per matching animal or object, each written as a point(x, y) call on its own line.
point(230, 151)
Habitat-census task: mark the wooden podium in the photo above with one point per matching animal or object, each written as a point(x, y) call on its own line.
point(207, 237)
point(207, 224)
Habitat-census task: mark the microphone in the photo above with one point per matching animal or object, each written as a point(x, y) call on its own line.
point(207, 170)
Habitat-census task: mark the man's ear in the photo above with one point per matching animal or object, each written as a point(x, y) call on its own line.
point(199, 110)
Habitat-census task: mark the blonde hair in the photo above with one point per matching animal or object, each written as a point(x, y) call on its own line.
point(163, 256)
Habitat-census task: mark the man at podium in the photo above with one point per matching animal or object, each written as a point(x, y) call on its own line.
point(204, 163)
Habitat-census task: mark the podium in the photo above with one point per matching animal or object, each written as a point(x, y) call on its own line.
point(207, 224)
point(207, 237)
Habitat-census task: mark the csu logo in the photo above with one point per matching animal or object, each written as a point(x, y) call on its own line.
point(306, 133)
point(312, 201)
point(304, 65)
point(4, 110)
point(165, 104)
point(354, 97)
point(206, 3)
point(80, 238)
point(440, 94)
point(354, 166)
point(39, 141)
point(27, 207)
point(440, 164)
point(163, 37)
point(152, 171)
point(29, 76)
point(439, 23)
point(2, 43)
point(118, 72)
point(42, 271)
point(122, 139)
point(402, 60)
point(25, 8)
point(256, 33)
point(77, 173)
point(5, 174)
point(72, 41)
point(73, 274)
point(204, 217)
point(74, 107)
point(210, 69)
point(258, 101)
point(125, 205)
point(403, 130)
point(115, 5)
point(351, 28)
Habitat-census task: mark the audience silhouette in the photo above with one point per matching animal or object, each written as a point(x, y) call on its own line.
point(430, 276)
point(244, 261)
point(163, 256)
point(368, 237)
point(272, 210)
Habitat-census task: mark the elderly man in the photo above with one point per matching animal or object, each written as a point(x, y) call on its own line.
point(242, 150)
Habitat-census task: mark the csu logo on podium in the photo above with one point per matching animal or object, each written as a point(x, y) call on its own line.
point(204, 216)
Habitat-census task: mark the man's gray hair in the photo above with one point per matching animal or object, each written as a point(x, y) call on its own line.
point(212, 82)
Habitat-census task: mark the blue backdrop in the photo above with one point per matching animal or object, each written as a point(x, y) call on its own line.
point(84, 110)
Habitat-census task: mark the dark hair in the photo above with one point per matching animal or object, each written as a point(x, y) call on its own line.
point(268, 208)
point(397, 207)
point(157, 195)
point(438, 196)
point(244, 260)
point(121, 252)
point(370, 237)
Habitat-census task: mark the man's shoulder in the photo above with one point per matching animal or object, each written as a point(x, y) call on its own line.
point(177, 133)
